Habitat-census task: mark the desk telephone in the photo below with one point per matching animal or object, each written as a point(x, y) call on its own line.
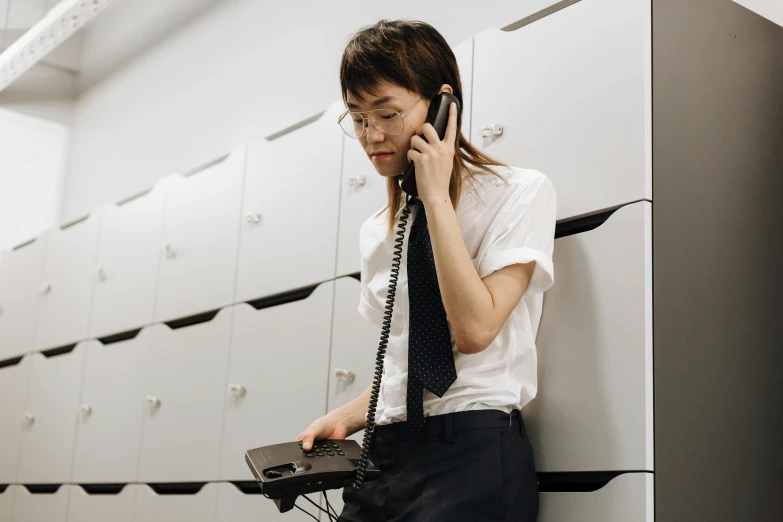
point(285, 471)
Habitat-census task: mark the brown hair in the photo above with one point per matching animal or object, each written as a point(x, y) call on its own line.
point(412, 55)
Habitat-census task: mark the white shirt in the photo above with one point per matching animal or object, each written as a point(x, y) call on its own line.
point(514, 222)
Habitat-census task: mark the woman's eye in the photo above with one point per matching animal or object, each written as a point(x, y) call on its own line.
point(390, 116)
point(357, 120)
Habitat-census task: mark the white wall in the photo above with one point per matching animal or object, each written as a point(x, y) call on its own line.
point(770, 9)
point(241, 69)
point(32, 173)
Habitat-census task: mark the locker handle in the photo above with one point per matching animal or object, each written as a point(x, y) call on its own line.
point(101, 274)
point(488, 130)
point(253, 217)
point(153, 401)
point(169, 251)
point(357, 180)
point(45, 288)
point(29, 417)
point(237, 390)
point(86, 409)
point(344, 375)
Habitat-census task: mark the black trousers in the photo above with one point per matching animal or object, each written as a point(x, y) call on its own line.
point(470, 466)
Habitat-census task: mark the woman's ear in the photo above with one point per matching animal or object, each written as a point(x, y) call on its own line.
point(446, 88)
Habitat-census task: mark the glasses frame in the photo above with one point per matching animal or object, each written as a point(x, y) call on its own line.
point(365, 119)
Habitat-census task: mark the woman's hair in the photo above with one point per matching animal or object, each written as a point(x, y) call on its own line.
point(412, 55)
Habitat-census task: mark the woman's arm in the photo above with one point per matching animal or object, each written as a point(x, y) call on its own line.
point(353, 413)
point(476, 309)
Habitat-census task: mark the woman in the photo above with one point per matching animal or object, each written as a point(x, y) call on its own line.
point(492, 247)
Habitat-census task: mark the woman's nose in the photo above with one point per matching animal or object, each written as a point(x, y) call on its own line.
point(374, 135)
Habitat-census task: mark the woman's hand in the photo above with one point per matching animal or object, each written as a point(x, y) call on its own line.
point(434, 158)
point(327, 427)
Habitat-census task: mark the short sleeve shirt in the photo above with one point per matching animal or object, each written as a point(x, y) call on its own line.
point(503, 222)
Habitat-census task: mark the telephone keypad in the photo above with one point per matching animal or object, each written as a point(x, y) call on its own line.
point(323, 448)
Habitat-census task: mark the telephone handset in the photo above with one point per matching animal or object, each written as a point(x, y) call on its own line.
point(438, 116)
point(285, 471)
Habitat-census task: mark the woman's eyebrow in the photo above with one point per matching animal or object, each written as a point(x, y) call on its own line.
point(377, 102)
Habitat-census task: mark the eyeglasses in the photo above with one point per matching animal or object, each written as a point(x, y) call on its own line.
point(387, 121)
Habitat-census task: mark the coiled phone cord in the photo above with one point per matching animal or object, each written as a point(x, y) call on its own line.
point(369, 429)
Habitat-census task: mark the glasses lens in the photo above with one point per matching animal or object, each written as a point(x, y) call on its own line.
point(352, 124)
point(388, 120)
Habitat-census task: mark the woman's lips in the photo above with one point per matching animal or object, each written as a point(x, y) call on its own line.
point(382, 156)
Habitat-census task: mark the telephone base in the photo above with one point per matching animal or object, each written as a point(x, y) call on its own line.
point(285, 471)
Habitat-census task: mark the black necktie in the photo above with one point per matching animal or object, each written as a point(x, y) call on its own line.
point(430, 359)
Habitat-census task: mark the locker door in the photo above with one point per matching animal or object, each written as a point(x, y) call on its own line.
point(572, 93)
point(279, 360)
point(127, 265)
point(13, 390)
point(21, 270)
point(84, 507)
point(111, 409)
point(289, 228)
point(235, 506)
point(200, 236)
point(66, 286)
point(50, 417)
point(593, 410)
point(41, 507)
point(197, 507)
point(185, 395)
point(626, 498)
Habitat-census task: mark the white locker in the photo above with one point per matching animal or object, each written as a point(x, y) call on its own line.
point(572, 93)
point(235, 506)
point(41, 507)
point(66, 286)
point(20, 274)
point(13, 390)
point(626, 498)
point(48, 434)
point(185, 396)
point(111, 410)
point(126, 271)
point(200, 236)
point(7, 494)
point(594, 408)
point(83, 507)
point(363, 193)
point(290, 210)
point(198, 507)
point(279, 361)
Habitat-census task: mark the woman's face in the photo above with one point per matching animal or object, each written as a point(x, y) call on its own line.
point(389, 154)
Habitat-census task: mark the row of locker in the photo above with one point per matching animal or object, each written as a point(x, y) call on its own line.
point(225, 235)
point(627, 497)
point(139, 409)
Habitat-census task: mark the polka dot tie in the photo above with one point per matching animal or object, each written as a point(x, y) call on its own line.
point(430, 359)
